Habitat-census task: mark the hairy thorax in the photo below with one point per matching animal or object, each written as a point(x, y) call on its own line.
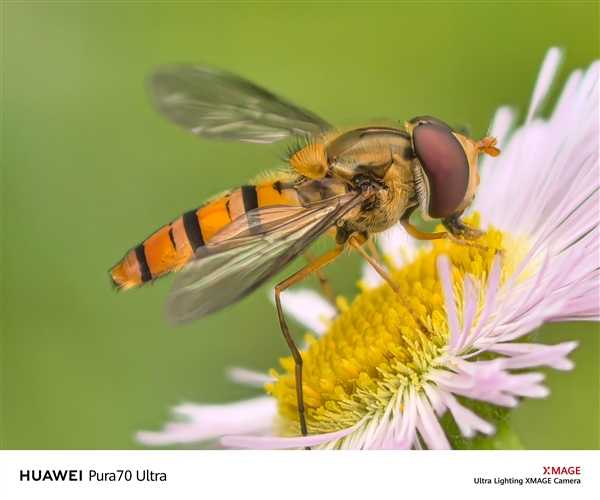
point(387, 206)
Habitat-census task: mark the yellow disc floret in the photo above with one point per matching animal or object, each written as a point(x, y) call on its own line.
point(381, 343)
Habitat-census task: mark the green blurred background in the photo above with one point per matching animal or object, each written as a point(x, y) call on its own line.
point(89, 169)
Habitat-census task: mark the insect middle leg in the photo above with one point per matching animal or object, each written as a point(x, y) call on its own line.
point(297, 277)
point(357, 241)
point(373, 249)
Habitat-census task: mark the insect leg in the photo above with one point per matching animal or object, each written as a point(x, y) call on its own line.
point(462, 234)
point(459, 229)
point(297, 277)
point(421, 235)
point(326, 287)
point(417, 233)
point(357, 243)
point(456, 237)
point(373, 249)
point(458, 232)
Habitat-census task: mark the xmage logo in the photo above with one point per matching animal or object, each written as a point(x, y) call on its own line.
point(562, 470)
point(51, 475)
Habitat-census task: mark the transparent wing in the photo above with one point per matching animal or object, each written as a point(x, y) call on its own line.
point(248, 252)
point(215, 104)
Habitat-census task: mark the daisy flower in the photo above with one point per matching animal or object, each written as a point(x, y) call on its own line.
point(383, 371)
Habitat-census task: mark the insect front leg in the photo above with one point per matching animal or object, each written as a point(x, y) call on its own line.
point(462, 234)
point(297, 277)
point(421, 235)
point(417, 233)
point(459, 229)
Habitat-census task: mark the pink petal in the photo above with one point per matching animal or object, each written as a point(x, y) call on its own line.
point(490, 296)
point(429, 426)
point(444, 272)
point(279, 443)
point(470, 302)
point(247, 377)
point(544, 80)
point(207, 422)
point(467, 421)
point(501, 124)
point(404, 430)
point(525, 355)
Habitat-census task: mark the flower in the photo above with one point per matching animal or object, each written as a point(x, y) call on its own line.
point(384, 371)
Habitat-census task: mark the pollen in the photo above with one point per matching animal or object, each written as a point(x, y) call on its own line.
point(382, 343)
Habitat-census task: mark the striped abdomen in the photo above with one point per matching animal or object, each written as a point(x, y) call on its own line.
point(172, 246)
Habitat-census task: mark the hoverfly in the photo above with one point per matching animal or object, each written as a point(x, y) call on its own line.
point(351, 184)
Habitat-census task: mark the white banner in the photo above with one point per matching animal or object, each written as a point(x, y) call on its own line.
point(305, 475)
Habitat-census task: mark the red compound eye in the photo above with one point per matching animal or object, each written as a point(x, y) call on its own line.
point(445, 165)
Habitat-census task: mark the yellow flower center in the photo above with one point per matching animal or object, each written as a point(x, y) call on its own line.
point(382, 343)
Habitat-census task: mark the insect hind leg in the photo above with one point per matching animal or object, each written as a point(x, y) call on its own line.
point(324, 283)
point(295, 278)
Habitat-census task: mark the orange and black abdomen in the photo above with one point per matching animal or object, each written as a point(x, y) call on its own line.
point(174, 244)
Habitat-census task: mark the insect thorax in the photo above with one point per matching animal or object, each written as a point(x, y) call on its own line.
point(396, 194)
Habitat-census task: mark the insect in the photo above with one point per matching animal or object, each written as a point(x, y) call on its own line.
point(351, 184)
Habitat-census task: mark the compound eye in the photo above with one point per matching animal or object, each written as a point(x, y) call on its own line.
point(444, 164)
point(424, 119)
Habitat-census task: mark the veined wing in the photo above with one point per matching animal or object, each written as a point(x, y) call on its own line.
point(249, 251)
point(215, 104)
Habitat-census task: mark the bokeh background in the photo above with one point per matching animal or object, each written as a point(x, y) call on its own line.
point(89, 169)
